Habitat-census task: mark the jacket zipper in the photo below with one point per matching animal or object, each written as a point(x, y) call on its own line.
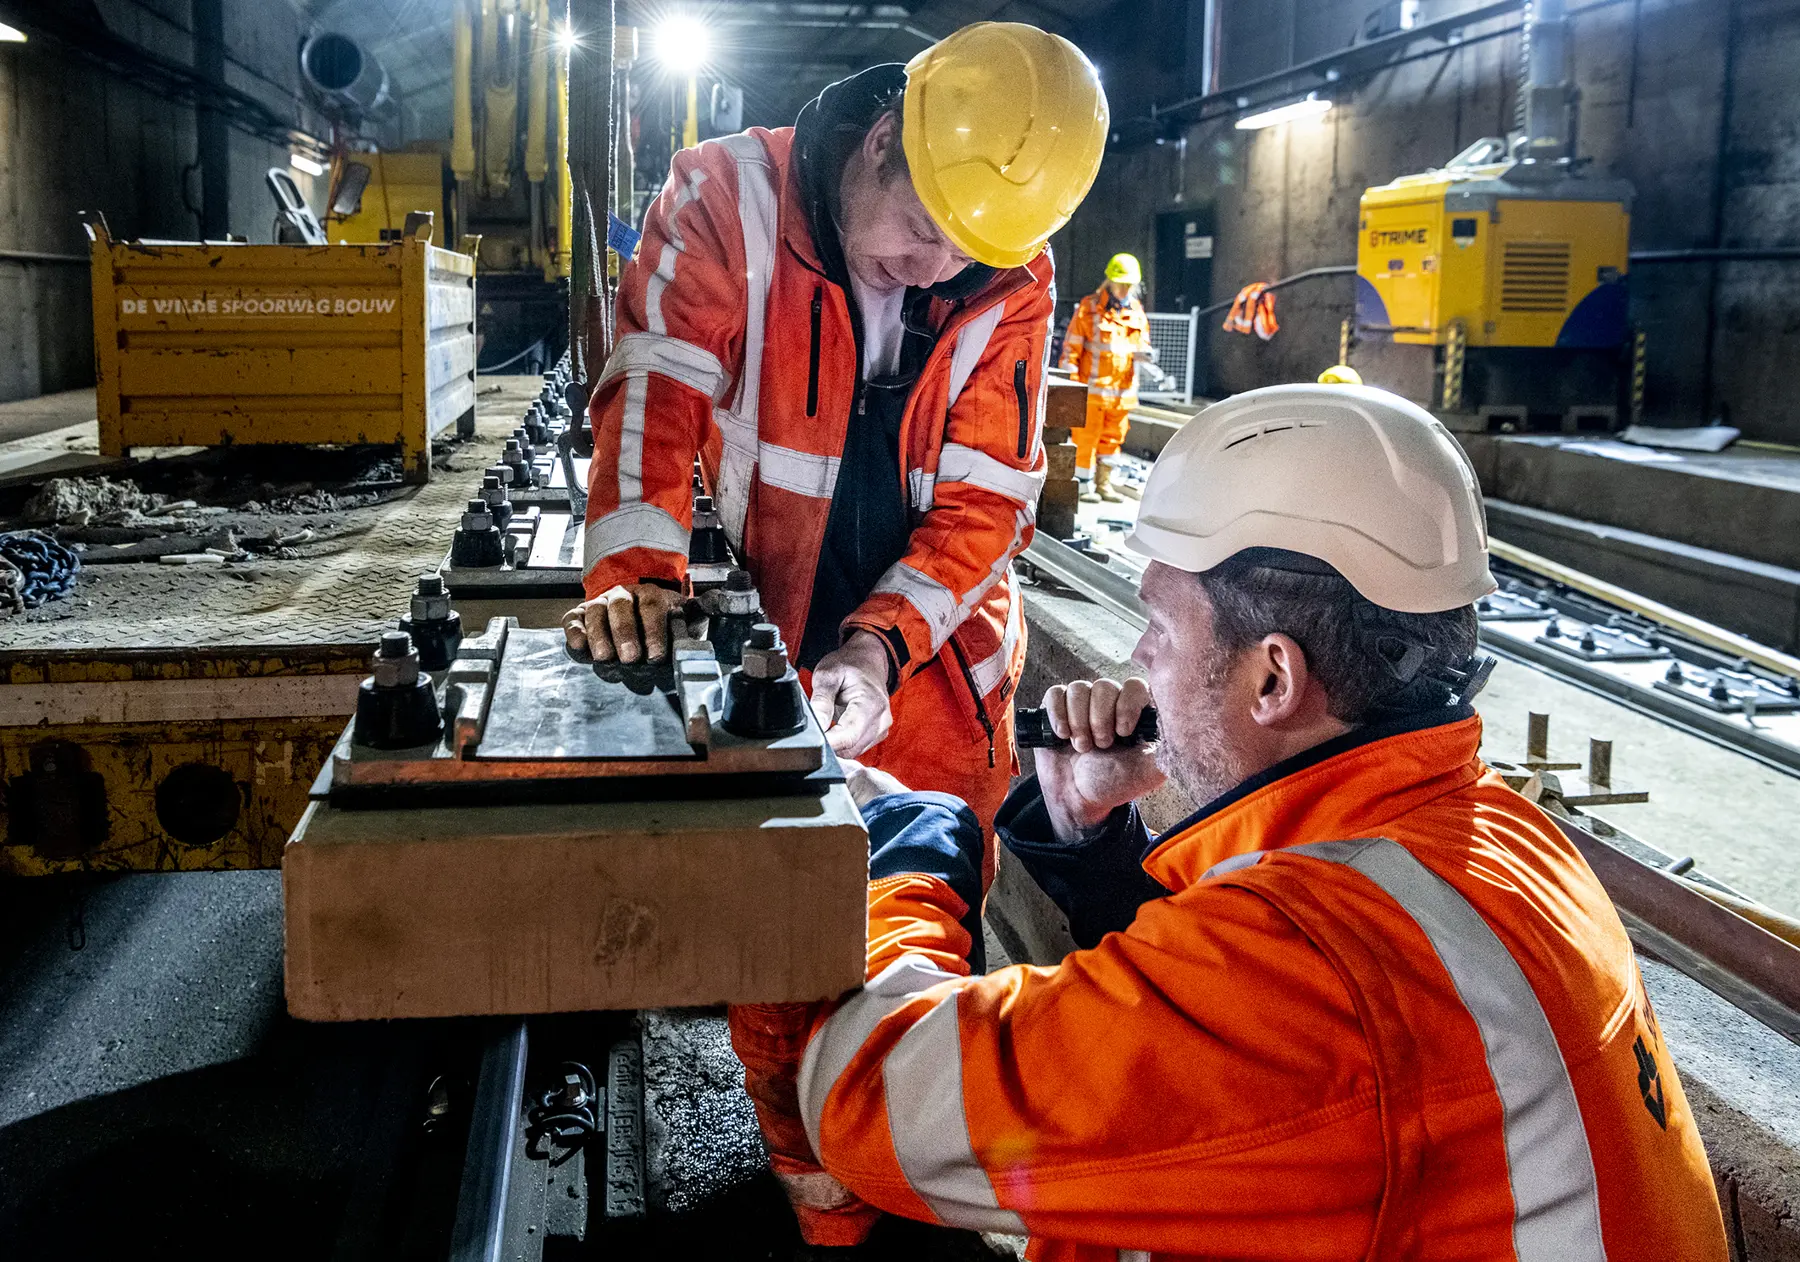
point(812, 365)
point(1024, 409)
point(987, 724)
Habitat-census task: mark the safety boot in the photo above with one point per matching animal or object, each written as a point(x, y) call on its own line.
point(1103, 487)
point(1088, 494)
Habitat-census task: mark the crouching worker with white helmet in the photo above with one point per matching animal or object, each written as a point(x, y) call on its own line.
point(1365, 1002)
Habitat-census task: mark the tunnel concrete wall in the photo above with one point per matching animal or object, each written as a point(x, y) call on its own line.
point(1693, 101)
point(75, 137)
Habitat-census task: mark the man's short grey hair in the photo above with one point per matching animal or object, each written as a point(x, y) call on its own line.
point(1373, 663)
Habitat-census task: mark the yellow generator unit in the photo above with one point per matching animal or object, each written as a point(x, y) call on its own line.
point(1498, 300)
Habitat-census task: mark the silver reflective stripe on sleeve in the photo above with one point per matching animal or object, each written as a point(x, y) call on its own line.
point(971, 345)
point(639, 354)
point(1134, 1255)
point(957, 463)
point(991, 670)
point(631, 421)
point(631, 526)
point(737, 424)
point(837, 1041)
point(1556, 1198)
point(930, 1128)
point(922, 1078)
point(934, 602)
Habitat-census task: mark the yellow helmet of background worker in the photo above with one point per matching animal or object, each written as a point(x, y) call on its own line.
point(1003, 126)
point(1125, 267)
point(1340, 375)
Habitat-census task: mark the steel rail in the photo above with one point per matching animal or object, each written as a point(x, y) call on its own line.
point(479, 1232)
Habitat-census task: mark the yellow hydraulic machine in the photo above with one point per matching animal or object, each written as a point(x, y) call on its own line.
point(1494, 290)
point(493, 177)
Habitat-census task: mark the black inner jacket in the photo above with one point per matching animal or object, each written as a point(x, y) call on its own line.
point(870, 520)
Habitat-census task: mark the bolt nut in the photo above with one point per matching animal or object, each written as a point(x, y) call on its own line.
point(499, 471)
point(492, 492)
point(765, 656)
point(764, 663)
point(396, 665)
point(513, 452)
point(431, 599)
point(738, 597)
point(477, 517)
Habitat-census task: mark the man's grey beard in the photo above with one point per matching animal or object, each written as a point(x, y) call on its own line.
point(1201, 773)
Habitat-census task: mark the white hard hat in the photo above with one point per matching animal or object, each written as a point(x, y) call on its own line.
point(1350, 475)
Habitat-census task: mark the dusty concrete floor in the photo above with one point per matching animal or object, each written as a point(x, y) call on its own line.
point(338, 495)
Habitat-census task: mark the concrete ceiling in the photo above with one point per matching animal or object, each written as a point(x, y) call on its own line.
point(781, 54)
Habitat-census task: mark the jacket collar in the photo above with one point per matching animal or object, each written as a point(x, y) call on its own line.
point(1353, 785)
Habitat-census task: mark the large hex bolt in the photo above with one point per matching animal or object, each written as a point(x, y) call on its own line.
point(395, 706)
point(763, 699)
point(707, 544)
point(524, 476)
point(478, 543)
point(522, 436)
point(435, 628)
point(535, 427)
point(500, 508)
point(734, 610)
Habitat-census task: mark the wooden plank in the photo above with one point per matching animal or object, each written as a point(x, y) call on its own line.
point(509, 910)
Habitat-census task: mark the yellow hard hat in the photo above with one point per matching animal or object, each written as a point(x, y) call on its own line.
point(1125, 267)
point(1003, 127)
point(1340, 375)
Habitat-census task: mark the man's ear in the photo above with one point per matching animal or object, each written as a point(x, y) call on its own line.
point(881, 136)
point(1283, 681)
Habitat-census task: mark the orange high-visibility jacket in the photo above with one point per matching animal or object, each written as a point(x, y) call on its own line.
point(1386, 1011)
point(1099, 347)
point(735, 346)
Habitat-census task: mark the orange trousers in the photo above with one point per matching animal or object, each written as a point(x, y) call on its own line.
point(1103, 434)
point(937, 744)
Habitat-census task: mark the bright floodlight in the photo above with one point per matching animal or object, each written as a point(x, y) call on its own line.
point(1311, 107)
point(565, 37)
point(682, 43)
point(11, 34)
point(300, 162)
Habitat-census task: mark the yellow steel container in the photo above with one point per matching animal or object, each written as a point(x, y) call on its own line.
point(1518, 264)
point(209, 344)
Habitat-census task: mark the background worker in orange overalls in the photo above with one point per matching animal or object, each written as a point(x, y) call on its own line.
point(1108, 337)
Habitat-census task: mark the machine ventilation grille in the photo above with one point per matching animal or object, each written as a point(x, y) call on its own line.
point(1535, 276)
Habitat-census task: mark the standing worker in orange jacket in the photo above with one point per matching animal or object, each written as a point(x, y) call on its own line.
point(1108, 337)
point(847, 321)
point(1367, 1002)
